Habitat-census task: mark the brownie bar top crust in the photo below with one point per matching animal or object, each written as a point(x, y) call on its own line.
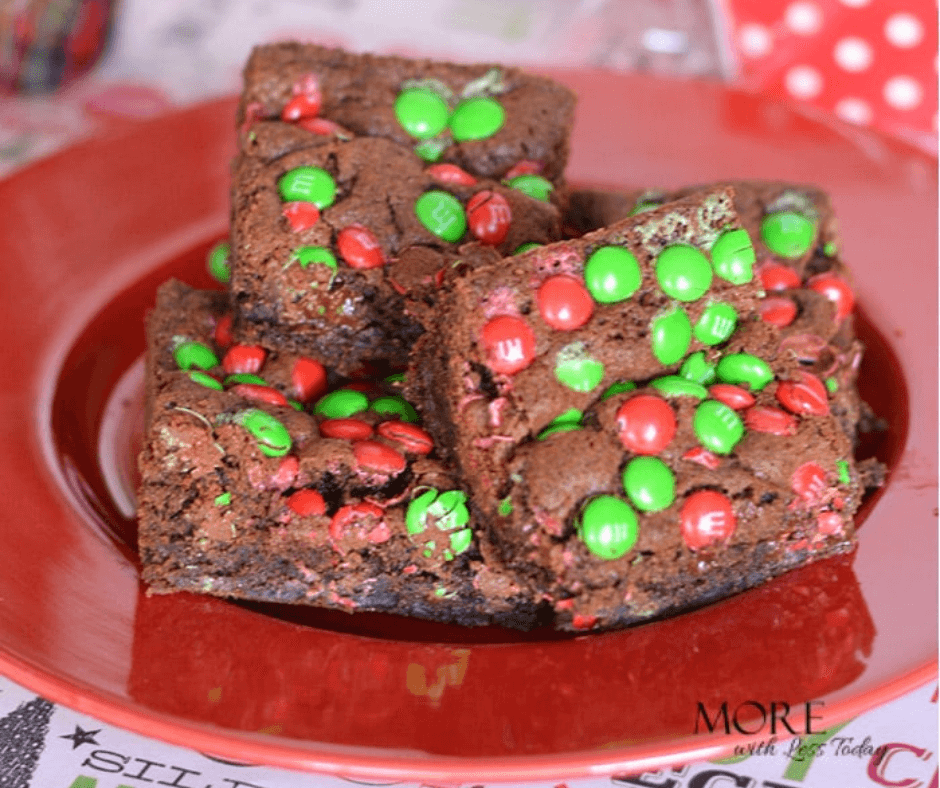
point(486, 119)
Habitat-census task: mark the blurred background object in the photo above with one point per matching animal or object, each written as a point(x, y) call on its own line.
point(870, 63)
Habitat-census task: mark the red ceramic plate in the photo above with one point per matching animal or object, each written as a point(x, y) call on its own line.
point(85, 238)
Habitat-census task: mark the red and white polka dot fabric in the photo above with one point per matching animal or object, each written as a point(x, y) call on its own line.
point(869, 62)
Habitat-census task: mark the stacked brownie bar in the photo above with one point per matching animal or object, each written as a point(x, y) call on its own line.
point(422, 395)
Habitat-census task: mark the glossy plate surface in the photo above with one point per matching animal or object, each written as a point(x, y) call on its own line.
point(85, 238)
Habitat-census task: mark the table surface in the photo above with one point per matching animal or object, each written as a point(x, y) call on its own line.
point(170, 54)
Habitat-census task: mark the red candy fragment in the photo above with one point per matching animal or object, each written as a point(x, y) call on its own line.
point(285, 474)
point(837, 290)
point(778, 311)
point(377, 457)
point(564, 303)
point(259, 393)
point(244, 359)
point(223, 332)
point(734, 397)
point(489, 217)
point(301, 215)
point(706, 518)
point(323, 127)
point(829, 523)
point(770, 420)
point(358, 515)
point(703, 456)
point(809, 481)
point(359, 248)
point(451, 173)
point(308, 377)
point(303, 106)
point(807, 395)
point(305, 502)
point(508, 343)
point(524, 167)
point(774, 276)
point(645, 424)
point(410, 436)
point(583, 622)
point(346, 429)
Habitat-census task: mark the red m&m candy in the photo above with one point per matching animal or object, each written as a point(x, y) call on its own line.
point(346, 429)
point(361, 516)
point(807, 395)
point(223, 332)
point(733, 396)
point(564, 303)
point(774, 276)
point(778, 311)
point(305, 105)
point(242, 359)
point(259, 393)
point(451, 173)
point(837, 290)
point(308, 377)
point(301, 215)
point(409, 436)
point(489, 217)
point(645, 424)
point(770, 420)
point(305, 502)
point(707, 518)
point(809, 481)
point(375, 456)
point(508, 343)
point(323, 127)
point(359, 247)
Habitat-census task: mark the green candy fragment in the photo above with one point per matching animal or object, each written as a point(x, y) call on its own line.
point(315, 255)
point(422, 113)
point(395, 405)
point(217, 262)
point(223, 500)
point(619, 387)
point(697, 369)
point(683, 272)
point(676, 386)
point(204, 379)
point(430, 150)
point(608, 527)
point(273, 438)
point(577, 370)
point(535, 186)
point(741, 368)
point(831, 249)
point(649, 484)
point(733, 256)
point(569, 421)
point(788, 234)
point(415, 517)
point(717, 427)
point(612, 274)
point(843, 469)
point(476, 119)
point(308, 184)
point(395, 377)
point(505, 507)
point(643, 206)
point(194, 354)
point(244, 377)
point(832, 385)
point(671, 336)
point(716, 324)
point(523, 248)
point(341, 404)
point(446, 511)
point(441, 214)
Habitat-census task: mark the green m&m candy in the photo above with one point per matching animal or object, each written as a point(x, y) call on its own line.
point(204, 379)
point(683, 272)
point(716, 324)
point(612, 274)
point(315, 255)
point(194, 354)
point(523, 248)
point(608, 527)
point(218, 262)
point(619, 387)
point(442, 214)
point(446, 511)
point(696, 368)
point(576, 369)
point(787, 233)
point(477, 119)
point(308, 184)
point(395, 405)
point(535, 186)
point(421, 112)
point(569, 421)
point(744, 368)
point(244, 377)
point(272, 436)
point(649, 484)
point(671, 335)
point(717, 426)
point(676, 386)
point(341, 404)
point(733, 256)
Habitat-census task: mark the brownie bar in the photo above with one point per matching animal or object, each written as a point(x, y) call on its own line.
point(637, 437)
point(338, 500)
point(337, 249)
point(493, 121)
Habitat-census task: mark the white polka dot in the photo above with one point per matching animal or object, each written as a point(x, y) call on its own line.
point(904, 30)
point(803, 82)
point(854, 110)
point(853, 54)
point(754, 39)
point(855, 3)
point(803, 17)
point(903, 92)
